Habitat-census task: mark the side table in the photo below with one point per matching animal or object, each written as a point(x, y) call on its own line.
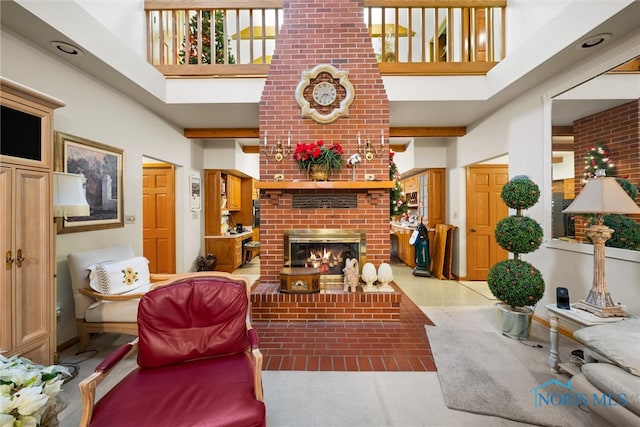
point(575, 316)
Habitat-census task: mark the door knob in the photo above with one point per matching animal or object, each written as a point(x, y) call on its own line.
point(473, 229)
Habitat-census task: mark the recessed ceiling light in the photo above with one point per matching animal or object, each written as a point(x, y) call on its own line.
point(67, 48)
point(593, 41)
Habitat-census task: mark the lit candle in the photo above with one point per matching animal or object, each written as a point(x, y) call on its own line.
point(358, 139)
point(265, 138)
point(289, 140)
point(381, 138)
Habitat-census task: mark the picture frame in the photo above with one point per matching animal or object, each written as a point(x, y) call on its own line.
point(195, 191)
point(102, 167)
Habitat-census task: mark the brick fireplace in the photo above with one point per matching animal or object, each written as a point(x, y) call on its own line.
point(314, 33)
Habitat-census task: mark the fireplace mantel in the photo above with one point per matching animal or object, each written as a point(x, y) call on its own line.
point(325, 185)
point(374, 189)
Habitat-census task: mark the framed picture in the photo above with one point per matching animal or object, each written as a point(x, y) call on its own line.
point(102, 168)
point(195, 189)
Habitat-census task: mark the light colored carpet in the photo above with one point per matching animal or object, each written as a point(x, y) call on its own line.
point(483, 372)
point(480, 287)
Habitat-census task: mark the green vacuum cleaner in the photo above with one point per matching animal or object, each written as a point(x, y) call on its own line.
point(421, 244)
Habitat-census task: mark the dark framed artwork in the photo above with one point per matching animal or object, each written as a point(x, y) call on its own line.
point(102, 167)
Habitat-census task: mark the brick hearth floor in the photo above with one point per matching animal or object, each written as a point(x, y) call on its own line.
point(353, 346)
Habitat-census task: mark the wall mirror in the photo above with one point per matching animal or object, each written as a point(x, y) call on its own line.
point(591, 127)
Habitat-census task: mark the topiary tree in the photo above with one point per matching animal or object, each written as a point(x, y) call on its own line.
point(514, 281)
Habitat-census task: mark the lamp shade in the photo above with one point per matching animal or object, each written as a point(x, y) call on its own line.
point(68, 195)
point(603, 195)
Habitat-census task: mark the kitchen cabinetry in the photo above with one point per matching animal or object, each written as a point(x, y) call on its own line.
point(400, 247)
point(27, 288)
point(432, 196)
point(227, 249)
point(234, 192)
point(212, 202)
point(410, 184)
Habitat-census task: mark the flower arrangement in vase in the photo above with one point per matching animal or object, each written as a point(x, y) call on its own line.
point(318, 160)
point(28, 392)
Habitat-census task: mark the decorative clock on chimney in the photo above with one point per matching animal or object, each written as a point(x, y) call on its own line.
point(324, 93)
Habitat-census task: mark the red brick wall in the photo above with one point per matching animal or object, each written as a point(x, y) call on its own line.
point(617, 129)
point(318, 32)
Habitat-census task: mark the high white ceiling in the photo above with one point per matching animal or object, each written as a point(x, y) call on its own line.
point(415, 112)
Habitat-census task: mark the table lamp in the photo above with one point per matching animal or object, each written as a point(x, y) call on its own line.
point(600, 196)
point(68, 195)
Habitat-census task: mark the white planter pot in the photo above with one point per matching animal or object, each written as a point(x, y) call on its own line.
point(514, 323)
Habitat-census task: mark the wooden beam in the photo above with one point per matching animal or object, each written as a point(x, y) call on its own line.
point(398, 148)
point(222, 133)
point(251, 149)
point(428, 131)
point(562, 130)
point(562, 146)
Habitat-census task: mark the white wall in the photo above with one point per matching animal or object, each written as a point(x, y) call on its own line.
point(98, 113)
point(124, 18)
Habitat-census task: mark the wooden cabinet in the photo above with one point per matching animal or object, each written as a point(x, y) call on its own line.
point(401, 248)
point(228, 251)
point(410, 184)
point(234, 193)
point(212, 203)
point(27, 285)
point(432, 196)
point(226, 192)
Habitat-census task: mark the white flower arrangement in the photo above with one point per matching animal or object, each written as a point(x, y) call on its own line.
point(28, 392)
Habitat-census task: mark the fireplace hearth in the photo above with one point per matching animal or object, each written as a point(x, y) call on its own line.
point(325, 249)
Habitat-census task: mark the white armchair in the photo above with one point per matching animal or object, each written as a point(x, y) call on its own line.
point(100, 312)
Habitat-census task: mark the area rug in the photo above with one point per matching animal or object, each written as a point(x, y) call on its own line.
point(479, 373)
point(479, 287)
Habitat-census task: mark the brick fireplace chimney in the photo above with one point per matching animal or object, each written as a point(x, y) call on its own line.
point(313, 33)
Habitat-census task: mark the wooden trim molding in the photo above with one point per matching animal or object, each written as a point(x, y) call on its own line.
point(325, 185)
point(409, 132)
point(428, 131)
point(221, 133)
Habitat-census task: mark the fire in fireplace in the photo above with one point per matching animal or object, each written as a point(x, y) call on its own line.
point(326, 249)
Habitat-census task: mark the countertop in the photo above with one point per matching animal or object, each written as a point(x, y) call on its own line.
point(405, 225)
point(232, 236)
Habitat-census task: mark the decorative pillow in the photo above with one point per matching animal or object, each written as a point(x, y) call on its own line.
point(120, 276)
point(619, 342)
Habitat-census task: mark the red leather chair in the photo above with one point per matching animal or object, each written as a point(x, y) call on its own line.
point(199, 362)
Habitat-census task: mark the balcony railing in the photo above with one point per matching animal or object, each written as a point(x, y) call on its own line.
point(237, 38)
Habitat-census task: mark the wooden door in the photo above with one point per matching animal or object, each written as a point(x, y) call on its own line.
point(484, 209)
point(158, 212)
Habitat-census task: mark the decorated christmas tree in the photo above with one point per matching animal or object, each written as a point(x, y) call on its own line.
point(398, 202)
point(206, 39)
point(597, 157)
